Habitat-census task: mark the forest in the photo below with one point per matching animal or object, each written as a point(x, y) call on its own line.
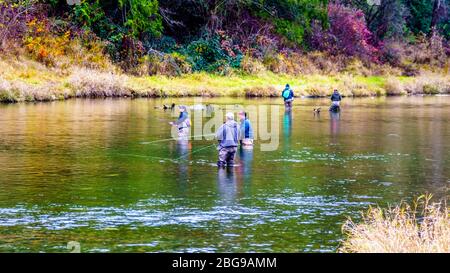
point(236, 47)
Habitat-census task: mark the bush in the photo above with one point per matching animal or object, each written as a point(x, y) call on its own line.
point(216, 54)
point(429, 84)
point(14, 16)
point(394, 87)
point(348, 34)
point(92, 83)
point(422, 227)
point(158, 63)
point(63, 49)
point(252, 66)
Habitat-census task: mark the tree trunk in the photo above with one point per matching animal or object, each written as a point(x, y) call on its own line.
point(435, 16)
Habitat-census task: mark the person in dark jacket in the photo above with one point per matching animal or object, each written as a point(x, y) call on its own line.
point(335, 100)
point(288, 96)
point(227, 135)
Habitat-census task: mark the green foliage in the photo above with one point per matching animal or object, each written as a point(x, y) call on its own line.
point(421, 12)
point(210, 54)
point(293, 32)
point(293, 18)
point(142, 17)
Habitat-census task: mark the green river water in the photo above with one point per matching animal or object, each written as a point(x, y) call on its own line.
point(90, 171)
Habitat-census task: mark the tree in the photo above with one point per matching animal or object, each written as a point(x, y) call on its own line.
point(348, 34)
point(141, 16)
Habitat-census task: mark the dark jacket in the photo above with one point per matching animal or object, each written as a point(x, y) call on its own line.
point(336, 96)
point(228, 134)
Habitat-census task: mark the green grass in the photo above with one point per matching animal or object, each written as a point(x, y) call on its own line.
point(242, 85)
point(26, 80)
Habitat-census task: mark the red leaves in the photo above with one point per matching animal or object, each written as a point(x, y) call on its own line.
point(348, 34)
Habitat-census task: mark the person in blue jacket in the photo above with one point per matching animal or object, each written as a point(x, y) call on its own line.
point(288, 96)
point(182, 123)
point(246, 130)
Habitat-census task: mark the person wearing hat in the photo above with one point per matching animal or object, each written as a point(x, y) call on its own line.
point(227, 135)
point(288, 96)
point(182, 122)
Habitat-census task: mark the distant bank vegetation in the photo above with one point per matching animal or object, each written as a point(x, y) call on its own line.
point(51, 50)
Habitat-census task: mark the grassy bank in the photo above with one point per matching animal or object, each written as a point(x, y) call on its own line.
point(422, 227)
point(22, 79)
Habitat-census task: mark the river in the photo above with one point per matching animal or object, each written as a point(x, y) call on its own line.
point(106, 174)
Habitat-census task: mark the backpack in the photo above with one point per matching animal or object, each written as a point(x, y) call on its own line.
point(286, 93)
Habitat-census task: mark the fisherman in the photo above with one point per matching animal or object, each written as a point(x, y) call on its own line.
point(227, 135)
point(182, 122)
point(246, 130)
point(335, 101)
point(288, 96)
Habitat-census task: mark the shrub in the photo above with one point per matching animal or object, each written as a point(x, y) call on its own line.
point(63, 49)
point(158, 63)
point(216, 54)
point(269, 91)
point(429, 84)
point(422, 227)
point(394, 87)
point(92, 83)
point(7, 93)
point(326, 63)
point(348, 34)
point(14, 16)
point(252, 66)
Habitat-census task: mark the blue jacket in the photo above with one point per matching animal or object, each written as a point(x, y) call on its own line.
point(291, 94)
point(246, 129)
point(336, 96)
point(183, 120)
point(228, 134)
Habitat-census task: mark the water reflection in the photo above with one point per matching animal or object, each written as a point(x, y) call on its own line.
point(335, 118)
point(287, 128)
point(246, 162)
point(227, 185)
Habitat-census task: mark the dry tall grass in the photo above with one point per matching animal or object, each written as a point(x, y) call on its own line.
point(93, 83)
point(422, 227)
point(429, 83)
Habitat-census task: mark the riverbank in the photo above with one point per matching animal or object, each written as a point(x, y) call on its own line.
point(22, 79)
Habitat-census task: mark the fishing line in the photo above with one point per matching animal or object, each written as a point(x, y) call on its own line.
point(169, 139)
point(193, 152)
point(147, 156)
point(169, 159)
